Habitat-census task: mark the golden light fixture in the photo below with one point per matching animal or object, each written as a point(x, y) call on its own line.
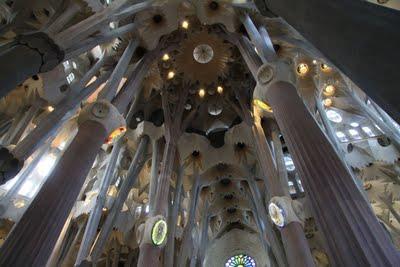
point(262, 105)
point(329, 90)
point(327, 102)
point(171, 75)
point(302, 69)
point(185, 24)
point(220, 89)
point(50, 108)
point(104, 209)
point(115, 134)
point(202, 93)
point(165, 57)
point(325, 68)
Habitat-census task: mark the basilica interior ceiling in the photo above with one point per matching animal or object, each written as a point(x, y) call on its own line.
point(197, 92)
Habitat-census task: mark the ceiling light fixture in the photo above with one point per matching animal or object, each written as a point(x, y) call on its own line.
point(327, 102)
point(202, 93)
point(325, 68)
point(185, 24)
point(171, 75)
point(220, 89)
point(302, 69)
point(165, 57)
point(329, 90)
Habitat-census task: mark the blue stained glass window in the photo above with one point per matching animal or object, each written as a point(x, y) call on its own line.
point(240, 260)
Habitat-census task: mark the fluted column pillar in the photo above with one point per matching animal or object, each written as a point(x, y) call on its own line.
point(353, 234)
point(133, 172)
point(172, 219)
point(33, 238)
point(297, 253)
point(155, 158)
point(95, 215)
point(187, 243)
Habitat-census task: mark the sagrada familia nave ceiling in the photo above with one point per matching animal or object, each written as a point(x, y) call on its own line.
point(199, 133)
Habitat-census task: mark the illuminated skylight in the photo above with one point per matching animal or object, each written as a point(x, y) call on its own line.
point(354, 134)
point(368, 131)
point(334, 116)
point(342, 137)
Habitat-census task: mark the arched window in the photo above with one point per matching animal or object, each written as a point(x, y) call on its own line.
point(240, 260)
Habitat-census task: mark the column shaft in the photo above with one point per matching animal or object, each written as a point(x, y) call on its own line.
point(150, 254)
point(173, 218)
point(353, 234)
point(154, 174)
point(275, 188)
point(187, 240)
point(133, 172)
point(33, 238)
point(95, 214)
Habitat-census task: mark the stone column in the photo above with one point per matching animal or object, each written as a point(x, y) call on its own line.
point(149, 253)
point(205, 220)
point(31, 54)
point(172, 219)
point(187, 240)
point(353, 234)
point(95, 214)
point(279, 158)
point(133, 172)
point(155, 161)
point(297, 253)
point(20, 128)
point(271, 235)
point(33, 238)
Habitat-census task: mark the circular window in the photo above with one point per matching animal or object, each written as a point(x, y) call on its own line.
point(384, 141)
point(159, 232)
point(240, 260)
point(203, 53)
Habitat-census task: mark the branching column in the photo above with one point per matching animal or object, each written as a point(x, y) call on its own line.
point(172, 219)
point(353, 234)
point(187, 245)
point(32, 241)
point(293, 238)
point(149, 253)
point(133, 172)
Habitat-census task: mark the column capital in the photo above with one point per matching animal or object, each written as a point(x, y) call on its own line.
point(284, 210)
point(278, 70)
point(103, 112)
point(50, 52)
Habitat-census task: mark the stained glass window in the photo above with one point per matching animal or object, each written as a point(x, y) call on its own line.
point(240, 260)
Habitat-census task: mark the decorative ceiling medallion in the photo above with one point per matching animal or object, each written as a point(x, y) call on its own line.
point(203, 53)
point(159, 232)
point(203, 57)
